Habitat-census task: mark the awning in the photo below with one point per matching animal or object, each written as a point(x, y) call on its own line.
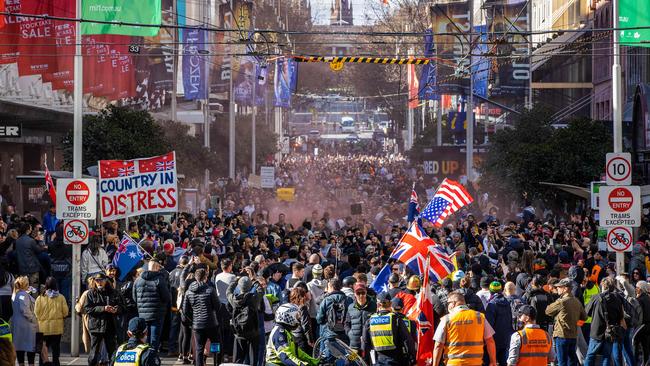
point(575, 190)
point(546, 51)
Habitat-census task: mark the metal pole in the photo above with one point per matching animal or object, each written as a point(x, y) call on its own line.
point(77, 156)
point(469, 109)
point(206, 104)
point(439, 121)
point(617, 107)
point(175, 61)
point(411, 117)
point(530, 57)
point(254, 122)
point(231, 110)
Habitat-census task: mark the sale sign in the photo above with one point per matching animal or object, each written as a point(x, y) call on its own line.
point(137, 187)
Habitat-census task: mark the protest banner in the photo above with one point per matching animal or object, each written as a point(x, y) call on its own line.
point(137, 187)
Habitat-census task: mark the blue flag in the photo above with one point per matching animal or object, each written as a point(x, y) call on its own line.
point(128, 255)
point(194, 64)
point(380, 284)
point(414, 207)
point(428, 84)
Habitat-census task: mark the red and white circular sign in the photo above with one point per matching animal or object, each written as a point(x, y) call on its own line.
point(619, 238)
point(75, 232)
point(77, 192)
point(620, 199)
point(618, 169)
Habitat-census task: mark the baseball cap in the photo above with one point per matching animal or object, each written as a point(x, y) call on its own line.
point(383, 297)
point(397, 303)
point(137, 326)
point(565, 282)
point(100, 276)
point(360, 287)
point(528, 310)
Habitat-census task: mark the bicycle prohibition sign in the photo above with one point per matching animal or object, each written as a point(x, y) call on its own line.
point(75, 232)
point(619, 239)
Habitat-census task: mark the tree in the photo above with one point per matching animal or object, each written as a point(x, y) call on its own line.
point(192, 157)
point(117, 133)
point(534, 151)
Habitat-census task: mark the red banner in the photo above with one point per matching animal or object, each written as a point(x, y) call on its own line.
point(37, 43)
point(64, 32)
point(9, 33)
point(123, 71)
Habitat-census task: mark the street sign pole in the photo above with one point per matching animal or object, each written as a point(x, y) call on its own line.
point(469, 109)
point(617, 106)
point(76, 173)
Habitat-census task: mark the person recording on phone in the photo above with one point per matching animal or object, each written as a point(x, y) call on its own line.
point(102, 305)
point(28, 247)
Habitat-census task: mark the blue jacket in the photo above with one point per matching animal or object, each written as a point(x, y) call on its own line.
point(321, 316)
point(499, 315)
point(49, 222)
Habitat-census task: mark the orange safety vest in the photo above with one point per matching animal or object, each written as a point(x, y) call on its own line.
point(465, 338)
point(595, 273)
point(535, 345)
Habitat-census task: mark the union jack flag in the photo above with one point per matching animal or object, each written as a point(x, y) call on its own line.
point(126, 171)
point(413, 249)
point(422, 314)
point(164, 165)
point(449, 198)
point(122, 247)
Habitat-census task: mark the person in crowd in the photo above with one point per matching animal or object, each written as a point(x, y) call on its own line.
point(102, 305)
point(484, 293)
point(79, 308)
point(297, 273)
point(136, 351)
point(6, 291)
point(567, 311)
point(358, 314)
point(224, 279)
point(24, 324)
point(175, 281)
point(499, 314)
point(408, 295)
point(7, 352)
point(462, 335)
point(281, 348)
point(152, 296)
point(643, 295)
point(397, 306)
point(28, 249)
point(245, 300)
point(348, 286)
point(201, 306)
point(606, 310)
point(94, 259)
point(331, 316)
point(51, 309)
point(531, 345)
point(303, 334)
point(387, 335)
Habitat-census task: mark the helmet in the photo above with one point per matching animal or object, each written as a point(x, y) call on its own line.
point(413, 284)
point(287, 314)
point(349, 281)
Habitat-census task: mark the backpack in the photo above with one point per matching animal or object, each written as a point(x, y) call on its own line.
point(515, 304)
point(633, 311)
point(244, 321)
point(61, 268)
point(336, 314)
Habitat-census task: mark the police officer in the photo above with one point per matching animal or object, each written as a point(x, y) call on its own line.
point(398, 305)
point(387, 335)
point(5, 330)
point(532, 345)
point(462, 334)
point(136, 352)
point(281, 348)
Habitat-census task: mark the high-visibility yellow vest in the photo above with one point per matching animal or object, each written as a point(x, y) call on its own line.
point(535, 345)
point(381, 332)
point(465, 338)
point(129, 357)
point(587, 295)
point(5, 330)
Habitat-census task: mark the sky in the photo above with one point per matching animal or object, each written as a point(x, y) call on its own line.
point(320, 11)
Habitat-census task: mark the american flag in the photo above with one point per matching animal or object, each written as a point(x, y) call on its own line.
point(449, 198)
point(413, 249)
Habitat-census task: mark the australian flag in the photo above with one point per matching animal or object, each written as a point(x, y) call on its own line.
point(128, 255)
point(380, 283)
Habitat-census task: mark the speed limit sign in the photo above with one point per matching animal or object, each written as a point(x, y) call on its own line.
point(619, 169)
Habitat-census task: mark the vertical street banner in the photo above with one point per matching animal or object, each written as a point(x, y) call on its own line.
point(137, 187)
point(122, 68)
point(222, 67)
point(9, 33)
point(194, 80)
point(507, 23)
point(480, 63)
point(64, 32)
point(413, 86)
point(126, 11)
point(261, 74)
point(451, 26)
point(36, 42)
point(428, 87)
point(284, 81)
point(631, 14)
point(243, 83)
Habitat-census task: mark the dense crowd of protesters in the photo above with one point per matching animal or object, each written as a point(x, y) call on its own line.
point(220, 276)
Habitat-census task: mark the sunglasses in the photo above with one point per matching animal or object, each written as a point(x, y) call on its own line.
point(396, 269)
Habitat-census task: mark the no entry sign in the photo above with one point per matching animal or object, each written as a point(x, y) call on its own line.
point(618, 169)
point(76, 199)
point(75, 232)
point(619, 239)
point(620, 206)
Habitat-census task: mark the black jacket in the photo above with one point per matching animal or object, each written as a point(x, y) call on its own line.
point(405, 351)
point(303, 333)
point(644, 300)
point(474, 302)
point(356, 319)
point(201, 305)
point(151, 294)
point(539, 299)
point(595, 309)
point(100, 321)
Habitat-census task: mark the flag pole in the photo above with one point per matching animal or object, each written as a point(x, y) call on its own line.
point(138, 244)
